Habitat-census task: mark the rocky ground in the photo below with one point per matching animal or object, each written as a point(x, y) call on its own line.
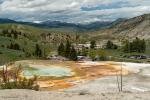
point(34, 95)
point(136, 86)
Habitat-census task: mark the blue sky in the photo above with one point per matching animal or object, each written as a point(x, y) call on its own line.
point(74, 11)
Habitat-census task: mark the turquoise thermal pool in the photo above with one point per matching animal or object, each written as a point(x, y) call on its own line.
point(47, 71)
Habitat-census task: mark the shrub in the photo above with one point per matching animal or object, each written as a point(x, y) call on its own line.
point(16, 83)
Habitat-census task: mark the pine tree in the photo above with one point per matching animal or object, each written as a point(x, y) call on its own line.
point(5, 32)
point(73, 54)
point(136, 45)
point(11, 46)
point(9, 35)
point(15, 35)
point(93, 44)
point(61, 49)
point(126, 47)
point(38, 51)
point(143, 45)
point(16, 46)
point(67, 49)
point(111, 45)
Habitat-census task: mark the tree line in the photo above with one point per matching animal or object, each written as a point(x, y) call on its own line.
point(137, 45)
point(111, 45)
point(11, 33)
point(14, 46)
point(67, 50)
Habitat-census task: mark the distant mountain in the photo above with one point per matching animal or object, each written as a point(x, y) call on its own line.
point(81, 27)
point(59, 24)
point(4, 21)
point(97, 25)
point(120, 29)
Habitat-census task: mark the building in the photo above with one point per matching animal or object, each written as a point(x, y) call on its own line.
point(56, 57)
point(87, 45)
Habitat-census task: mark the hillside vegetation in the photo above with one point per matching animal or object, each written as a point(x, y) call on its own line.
point(19, 41)
point(126, 29)
point(22, 40)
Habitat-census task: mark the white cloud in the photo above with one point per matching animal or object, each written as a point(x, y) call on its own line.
point(70, 10)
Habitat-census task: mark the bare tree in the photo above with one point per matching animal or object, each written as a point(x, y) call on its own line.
point(118, 83)
point(120, 79)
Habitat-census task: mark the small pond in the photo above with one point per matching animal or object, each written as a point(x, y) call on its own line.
point(51, 71)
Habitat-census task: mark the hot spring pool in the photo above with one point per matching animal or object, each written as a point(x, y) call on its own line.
point(51, 71)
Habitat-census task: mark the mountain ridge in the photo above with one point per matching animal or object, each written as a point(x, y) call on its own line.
point(126, 29)
point(120, 29)
point(59, 24)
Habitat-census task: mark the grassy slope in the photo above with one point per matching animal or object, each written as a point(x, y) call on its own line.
point(33, 36)
point(58, 34)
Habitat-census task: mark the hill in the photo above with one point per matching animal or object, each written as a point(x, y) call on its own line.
point(126, 29)
point(18, 41)
point(120, 29)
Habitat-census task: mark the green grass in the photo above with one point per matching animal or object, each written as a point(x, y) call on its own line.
point(30, 36)
point(58, 35)
point(8, 55)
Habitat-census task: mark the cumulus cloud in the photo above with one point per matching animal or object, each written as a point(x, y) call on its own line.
point(76, 11)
